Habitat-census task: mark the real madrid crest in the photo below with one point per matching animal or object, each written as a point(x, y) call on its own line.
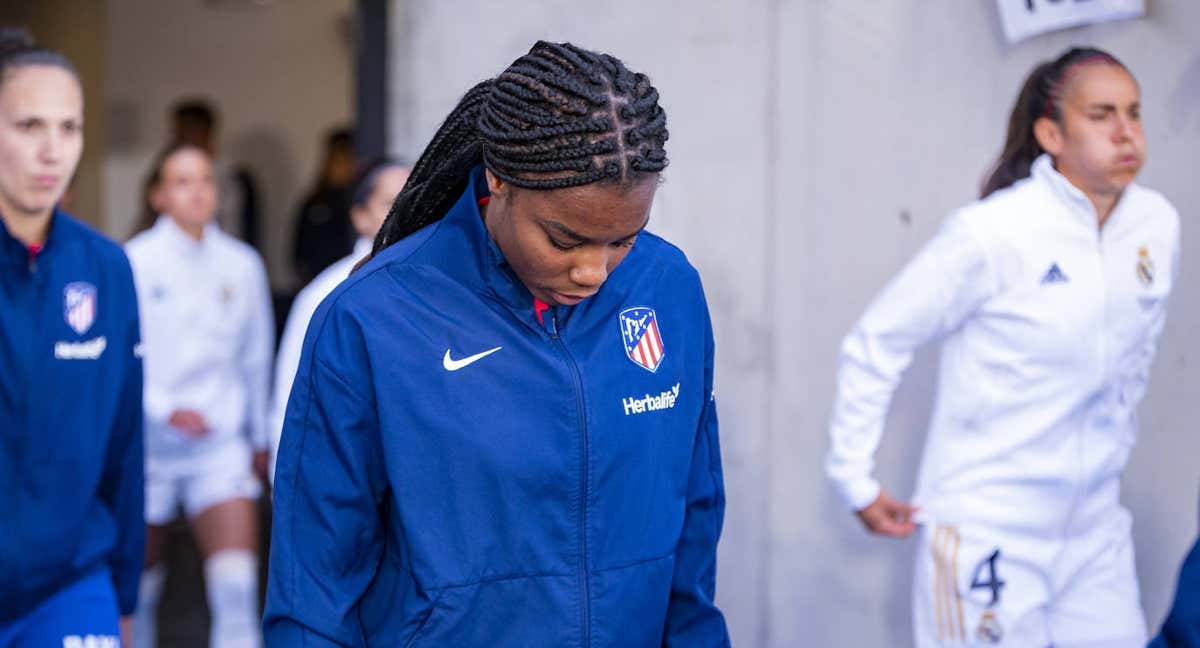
point(989, 631)
point(1145, 267)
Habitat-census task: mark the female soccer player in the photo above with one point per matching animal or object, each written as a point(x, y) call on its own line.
point(71, 531)
point(1049, 295)
point(207, 329)
point(502, 432)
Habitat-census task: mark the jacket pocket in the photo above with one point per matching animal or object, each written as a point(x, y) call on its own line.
point(427, 625)
point(514, 612)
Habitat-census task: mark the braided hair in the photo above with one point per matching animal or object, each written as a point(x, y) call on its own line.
point(560, 116)
point(1041, 97)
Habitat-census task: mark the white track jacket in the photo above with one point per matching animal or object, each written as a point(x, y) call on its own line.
point(207, 337)
point(1049, 328)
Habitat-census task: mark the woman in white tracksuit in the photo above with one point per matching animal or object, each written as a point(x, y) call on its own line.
point(374, 191)
point(1049, 295)
point(207, 332)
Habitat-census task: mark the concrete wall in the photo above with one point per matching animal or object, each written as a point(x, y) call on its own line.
point(815, 145)
point(281, 73)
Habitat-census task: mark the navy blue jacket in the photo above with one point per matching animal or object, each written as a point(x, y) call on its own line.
point(559, 491)
point(1182, 627)
point(71, 474)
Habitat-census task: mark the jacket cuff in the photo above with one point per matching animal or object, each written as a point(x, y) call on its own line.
point(859, 493)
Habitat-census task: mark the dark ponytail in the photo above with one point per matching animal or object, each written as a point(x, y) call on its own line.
point(559, 116)
point(1041, 96)
point(17, 49)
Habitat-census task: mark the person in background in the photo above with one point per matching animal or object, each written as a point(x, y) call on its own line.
point(71, 481)
point(373, 194)
point(194, 122)
point(208, 333)
point(323, 230)
point(1049, 294)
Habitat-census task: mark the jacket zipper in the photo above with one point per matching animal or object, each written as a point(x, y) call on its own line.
point(577, 383)
point(1102, 354)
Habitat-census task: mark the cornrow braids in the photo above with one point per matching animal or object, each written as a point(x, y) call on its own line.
point(560, 116)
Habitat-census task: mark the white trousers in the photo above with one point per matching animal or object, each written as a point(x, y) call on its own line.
point(975, 586)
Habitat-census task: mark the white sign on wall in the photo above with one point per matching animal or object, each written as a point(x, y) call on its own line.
point(1024, 18)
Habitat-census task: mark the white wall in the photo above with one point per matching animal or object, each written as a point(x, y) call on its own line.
point(280, 73)
point(814, 146)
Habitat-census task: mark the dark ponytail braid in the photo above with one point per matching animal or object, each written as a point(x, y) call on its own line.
point(440, 174)
point(560, 116)
point(1041, 96)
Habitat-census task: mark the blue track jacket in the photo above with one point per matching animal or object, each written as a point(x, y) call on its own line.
point(71, 474)
point(453, 473)
point(1182, 627)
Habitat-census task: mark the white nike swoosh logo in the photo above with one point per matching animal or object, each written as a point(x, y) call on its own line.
point(450, 364)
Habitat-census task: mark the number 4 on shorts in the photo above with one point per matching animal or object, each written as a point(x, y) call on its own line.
point(993, 582)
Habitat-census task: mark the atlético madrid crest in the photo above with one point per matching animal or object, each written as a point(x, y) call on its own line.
point(79, 306)
point(643, 341)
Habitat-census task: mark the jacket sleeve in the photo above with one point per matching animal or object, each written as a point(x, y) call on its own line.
point(287, 362)
point(693, 618)
point(256, 358)
point(122, 487)
point(158, 404)
point(327, 534)
point(940, 288)
point(1182, 627)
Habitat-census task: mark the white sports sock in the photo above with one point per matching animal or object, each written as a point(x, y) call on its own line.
point(145, 618)
point(231, 578)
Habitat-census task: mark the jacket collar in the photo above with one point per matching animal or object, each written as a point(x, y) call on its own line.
point(178, 239)
point(15, 253)
point(362, 247)
point(488, 272)
point(1071, 196)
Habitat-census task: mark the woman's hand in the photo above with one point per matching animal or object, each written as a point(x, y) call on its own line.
point(889, 517)
point(261, 463)
point(190, 422)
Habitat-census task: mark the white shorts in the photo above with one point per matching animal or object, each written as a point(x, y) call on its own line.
point(974, 587)
point(199, 482)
